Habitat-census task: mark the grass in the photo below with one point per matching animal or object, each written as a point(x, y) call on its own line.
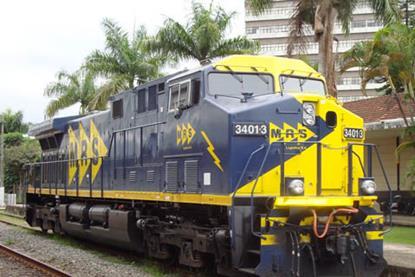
point(9, 242)
point(403, 235)
point(11, 219)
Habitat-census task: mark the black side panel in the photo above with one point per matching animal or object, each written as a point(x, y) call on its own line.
point(121, 232)
point(241, 232)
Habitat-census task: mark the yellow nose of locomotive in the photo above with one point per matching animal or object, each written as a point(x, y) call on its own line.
point(333, 166)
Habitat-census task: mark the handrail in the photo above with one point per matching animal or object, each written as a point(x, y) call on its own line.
point(252, 192)
point(239, 184)
point(108, 154)
point(387, 184)
point(385, 175)
point(245, 168)
point(283, 144)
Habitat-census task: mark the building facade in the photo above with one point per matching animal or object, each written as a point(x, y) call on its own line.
point(384, 126)
point(271, 29)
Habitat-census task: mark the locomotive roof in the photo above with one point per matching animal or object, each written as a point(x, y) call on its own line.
point(262, 63)
point(51, 126)
point(281, 65)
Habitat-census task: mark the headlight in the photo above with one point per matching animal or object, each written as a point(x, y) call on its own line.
point(296, 187)
point(309, 114)
point(368, 187)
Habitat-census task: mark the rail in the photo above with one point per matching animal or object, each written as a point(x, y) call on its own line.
point(32, 262)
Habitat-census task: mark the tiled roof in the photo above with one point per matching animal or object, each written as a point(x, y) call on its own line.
point(379, 108)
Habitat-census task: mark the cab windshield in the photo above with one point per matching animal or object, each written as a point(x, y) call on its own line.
point(292, 84)
point(235, 84)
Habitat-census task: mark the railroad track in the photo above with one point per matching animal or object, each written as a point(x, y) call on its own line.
point(27, 260)
point(32, 262)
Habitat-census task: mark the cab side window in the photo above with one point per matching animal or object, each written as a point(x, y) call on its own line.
point(184, 95)
point(195, 95)
point(174, 97)
point(152, 98)
point(117, 109)
point(141, 98)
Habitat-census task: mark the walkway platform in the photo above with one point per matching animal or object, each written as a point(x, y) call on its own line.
point(400, 256)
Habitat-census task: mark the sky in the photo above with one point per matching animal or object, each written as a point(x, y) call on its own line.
point(40, 38)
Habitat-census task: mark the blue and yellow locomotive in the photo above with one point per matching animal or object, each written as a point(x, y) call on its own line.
point(245, 163)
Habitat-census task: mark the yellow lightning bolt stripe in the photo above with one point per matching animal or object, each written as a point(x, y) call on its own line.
point(211, 151)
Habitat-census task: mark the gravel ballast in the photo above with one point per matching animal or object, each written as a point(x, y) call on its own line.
point(12, 268)
point(74, 257)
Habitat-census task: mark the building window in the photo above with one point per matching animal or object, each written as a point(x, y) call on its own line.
point(359, 24)
point(251, 30)
point(117, 109)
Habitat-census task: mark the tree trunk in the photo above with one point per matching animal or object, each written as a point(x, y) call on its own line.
point(326, 57)
point(398, 100)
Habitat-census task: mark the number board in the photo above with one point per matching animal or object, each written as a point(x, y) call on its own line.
point(353, 133)
point(250, 129)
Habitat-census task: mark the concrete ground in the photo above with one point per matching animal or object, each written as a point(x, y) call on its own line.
point(403, 220)
point(400, 255)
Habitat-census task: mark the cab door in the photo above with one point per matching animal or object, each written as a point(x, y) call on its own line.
point(181, 155)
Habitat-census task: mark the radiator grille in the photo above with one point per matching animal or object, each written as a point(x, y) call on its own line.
point(132, 176)
point(191, 175)
point(171, 176)
point(150, 176)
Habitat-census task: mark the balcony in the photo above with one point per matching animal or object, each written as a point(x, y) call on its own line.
point(282, 31)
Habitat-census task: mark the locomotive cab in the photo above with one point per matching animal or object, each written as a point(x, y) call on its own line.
point(300, 172)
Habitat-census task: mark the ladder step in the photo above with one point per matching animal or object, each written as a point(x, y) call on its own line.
point(247, 270)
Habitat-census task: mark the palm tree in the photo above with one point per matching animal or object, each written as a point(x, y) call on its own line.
point(125, 63)
point(321, 16)
point(202, 38)
point(361, 56)
point(69, 89)
point(390, 58)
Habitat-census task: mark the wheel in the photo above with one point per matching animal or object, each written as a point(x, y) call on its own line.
point(44, 227)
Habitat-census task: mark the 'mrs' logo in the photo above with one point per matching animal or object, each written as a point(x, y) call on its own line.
point(289, 133)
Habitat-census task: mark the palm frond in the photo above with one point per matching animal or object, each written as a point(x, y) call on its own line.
point(103, 63)
point(116, 38)
point(386, 11)
point(345, 13)
point(173, 39)
point(55, 89)
point(360, 55)
point(77, 87)
point(202, 38)
point(60, 86)
point(237, 45)
point(110, 88)
point(259, 6)
point(302, 17)
point(404, 146)
point(64, 101)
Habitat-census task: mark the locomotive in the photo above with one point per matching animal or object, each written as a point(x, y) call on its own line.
point(245, 165)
